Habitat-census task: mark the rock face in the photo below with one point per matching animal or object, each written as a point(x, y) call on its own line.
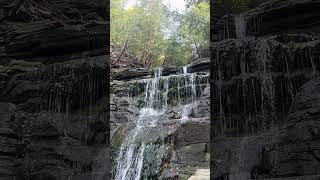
point(54, 38)
point(125, 74)
point(65, 86)
point(271, 18)
point(265, 94)
point(54, 77)
point(260, 75)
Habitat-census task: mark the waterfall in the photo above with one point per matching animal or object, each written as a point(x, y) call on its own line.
point(186, 110)
point(185, 70)
point(138, 149)
point(240, 25)
point(190, 83)
point(239, 169)
point(267, 82)
point(130, 159)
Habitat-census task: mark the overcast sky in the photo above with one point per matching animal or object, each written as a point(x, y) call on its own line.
point(179, 5)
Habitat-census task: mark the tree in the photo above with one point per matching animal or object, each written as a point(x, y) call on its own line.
point(176, 53)
point(140, 28)
point(155, 34)
point(195, 30)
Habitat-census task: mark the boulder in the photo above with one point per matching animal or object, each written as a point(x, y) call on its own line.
point(192, 133)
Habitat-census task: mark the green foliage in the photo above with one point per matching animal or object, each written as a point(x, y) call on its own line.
point(195, 29)
point(140, 28)
point(176, 52)
point(191, 41)
point(148, 32)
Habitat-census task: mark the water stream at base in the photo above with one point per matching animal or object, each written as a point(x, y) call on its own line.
point(130, 162)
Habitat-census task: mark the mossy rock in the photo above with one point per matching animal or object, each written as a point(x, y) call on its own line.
point(119, 137)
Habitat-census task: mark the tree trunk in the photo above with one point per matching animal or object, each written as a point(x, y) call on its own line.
point(123, 49)
point(197, 50)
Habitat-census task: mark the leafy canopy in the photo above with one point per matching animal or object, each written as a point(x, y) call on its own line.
point(157, 35)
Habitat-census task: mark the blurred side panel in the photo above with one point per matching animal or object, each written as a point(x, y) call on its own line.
point(54, 89)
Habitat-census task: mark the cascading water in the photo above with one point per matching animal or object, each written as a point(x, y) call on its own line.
point(188, 107)
point(141, 152)
point(130, 159)
point(240, 25)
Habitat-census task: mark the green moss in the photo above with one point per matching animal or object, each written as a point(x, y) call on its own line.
point(118, 138)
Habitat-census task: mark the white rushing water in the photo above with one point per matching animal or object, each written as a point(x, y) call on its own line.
point(132, 153)
point(186, 110)
point(130, 158)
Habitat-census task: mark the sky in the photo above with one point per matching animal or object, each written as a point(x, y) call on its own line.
point(179, 5)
